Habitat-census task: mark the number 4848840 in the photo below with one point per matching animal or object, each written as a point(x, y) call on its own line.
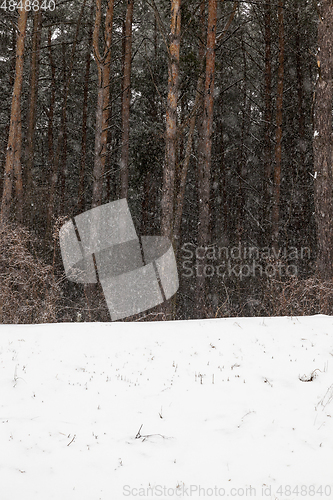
point(28, 5)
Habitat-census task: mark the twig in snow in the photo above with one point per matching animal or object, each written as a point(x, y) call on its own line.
point(72, 440)
point(138, 435)
point(309, 378)
point(145, 436)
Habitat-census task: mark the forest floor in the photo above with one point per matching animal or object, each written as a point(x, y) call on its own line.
point(237, 407)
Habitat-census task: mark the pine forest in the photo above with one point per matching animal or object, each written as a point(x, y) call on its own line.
point(213, 118)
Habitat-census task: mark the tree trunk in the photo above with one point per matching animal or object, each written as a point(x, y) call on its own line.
point(302, 209)
point(184, 169)
point(11, 80)
point(322, 142)
point(222, 216)
point(61, 152)
point(34, 73)
point(204, 161)
point(278, 147)
point(15, 118)
point(53, 174)
point(241, 154)
point(126, 98)
point(102, 107)
point(103, 63)
point(81, 194)
point(149, 200)
point(300, 93)
point(54, 202)
point(63, 142)
point(171, 122)
point(18, 210)
point(188, 149)
point(268, 125)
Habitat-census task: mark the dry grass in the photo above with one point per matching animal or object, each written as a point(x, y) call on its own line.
point(29, 292)
point(298, 297)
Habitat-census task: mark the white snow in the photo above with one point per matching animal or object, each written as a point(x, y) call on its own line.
point(220, 402)
point(56, 33)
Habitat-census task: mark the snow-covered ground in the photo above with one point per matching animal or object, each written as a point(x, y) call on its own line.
point(191, 409)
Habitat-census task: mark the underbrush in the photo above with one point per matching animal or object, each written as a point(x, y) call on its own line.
point(298, 297)
point(32, 291)
point(29, 292)
point(293, 296)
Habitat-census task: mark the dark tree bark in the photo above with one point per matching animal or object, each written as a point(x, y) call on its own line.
point(322, 142)
point(241, 153)
point(18, 208)
point(171, 122)
point(126, 98)
point(266, 218)
point(301, 208)
point(15, 120)
point(102, 108)
point(64, 136)
point(53, 174)
point(188, 149)
point(278, 147)
point(103, 62)
point(204, 160)
point(184, 167)
point(300, 92)
point(150, 188)
point(82, 172)
point(220, 210)
point(61, 152)
point(34, 74)
point(221, 207)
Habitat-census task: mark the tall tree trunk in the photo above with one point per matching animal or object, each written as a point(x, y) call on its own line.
point(15, 118)
point(302, 209)
point(268, 125)
point(11, 80)
point(241, 155)
point(125, 108)
point(18, 172)
point(61, 152)
point(278, 147)
point(52, 168)
point(219, 209)
point(149, 200)
point(82, 172)
point(171, 122)
point(54, 202)
point(103, 63)
point(204, 161)
point(222, 209)
point(184, 167)
point(300, 93)
point(322, 142)
point(188, 149)
point(34, 73)
point(102, 107)
point(64, 136)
